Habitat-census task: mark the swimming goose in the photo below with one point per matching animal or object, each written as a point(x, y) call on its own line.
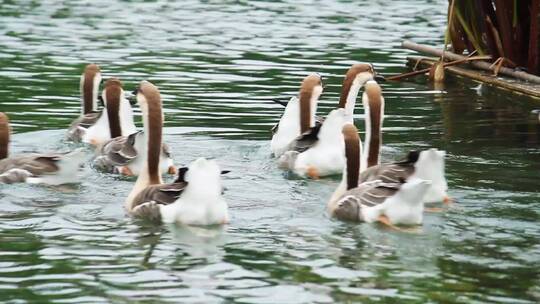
point(116, 118)
point(89, 86)
point(52, 169)
point(309, 155)
point(193, 199)
point(426, 165)
point(390, 203)
point(299, 115)
point(120, 153)
point(357, 75)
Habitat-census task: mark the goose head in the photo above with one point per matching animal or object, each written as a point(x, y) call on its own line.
point(310, 91)
point(357, 75)
point(4, 135)
point(373, 102)
point(90, 80)
point(203, 177)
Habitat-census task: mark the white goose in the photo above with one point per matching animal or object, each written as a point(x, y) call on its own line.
point(299, 115)
point(193, 199)
point(390, 203)
point(52, 168)
point(89, 88)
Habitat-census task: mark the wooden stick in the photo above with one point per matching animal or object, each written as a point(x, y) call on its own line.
point(414, 73)
point(479, 64)
point(516, 87)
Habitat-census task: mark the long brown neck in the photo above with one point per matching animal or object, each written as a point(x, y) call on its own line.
point(352, 154)
point(88, 93)
point(375, 119)
point(154, 129)
point(345, 89)
point(4, 136)
point(305, 111)
point(113, 95)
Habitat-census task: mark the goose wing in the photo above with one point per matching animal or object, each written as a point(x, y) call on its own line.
point(146, 203)
point(318, 122)
point(36, 164)
point(118, 151)
point(306, 140)
point(76, 129)
point(396, 172)
point(366, 195)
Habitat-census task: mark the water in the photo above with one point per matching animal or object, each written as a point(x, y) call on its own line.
point(218, 64)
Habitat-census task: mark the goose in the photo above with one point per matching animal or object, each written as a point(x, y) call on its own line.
point(315, 154)
point(52, 168)
point(426, 165)
point(397, 203)
point(120, 154)
point(299, 115)
point(89, 87)
point(116, 118)
point(193, 199)
point(357, 75)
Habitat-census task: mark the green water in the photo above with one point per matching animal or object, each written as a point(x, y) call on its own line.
point(218, 64)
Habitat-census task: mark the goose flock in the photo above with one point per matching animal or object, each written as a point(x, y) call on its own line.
point(308, 145)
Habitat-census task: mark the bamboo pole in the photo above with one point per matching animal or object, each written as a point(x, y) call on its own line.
point(446, 64)
point(478, 64)
point(530, 90)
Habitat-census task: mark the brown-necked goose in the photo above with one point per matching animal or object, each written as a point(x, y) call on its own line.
point(390, 203)
point(317, 153)
point(52, 168)
point(119, 153)
point(89, 88)
point(193, 199)
point(298, 116)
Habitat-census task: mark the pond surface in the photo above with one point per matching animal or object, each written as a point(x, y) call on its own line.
point(218, 64)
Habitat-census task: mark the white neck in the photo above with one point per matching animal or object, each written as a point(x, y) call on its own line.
point(126, 117)
point(95, 91)
point(317, 91)
point(351, 100)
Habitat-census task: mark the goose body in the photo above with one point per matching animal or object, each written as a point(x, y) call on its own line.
point(121, 155)
point(426, 165)
point(398, 203)
point(51, 168)
point(193, 199)
point(89, 88)
point(325, 156)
